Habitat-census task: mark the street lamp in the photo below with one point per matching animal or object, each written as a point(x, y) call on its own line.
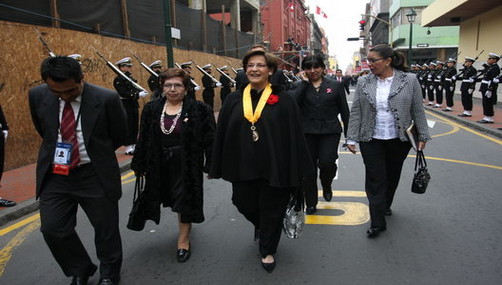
point(411, 18)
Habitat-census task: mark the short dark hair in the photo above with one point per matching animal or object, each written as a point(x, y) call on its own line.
point(385, 51)
point(174, 72)
point(269, 58)
point(258, 46)
point(313, 61)
point(61, 68)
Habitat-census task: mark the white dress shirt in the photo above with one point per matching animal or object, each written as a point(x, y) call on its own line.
point(385, 128)
point(75, 105)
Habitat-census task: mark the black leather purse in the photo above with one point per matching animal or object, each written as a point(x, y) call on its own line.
point(422, 177)
point(137, 220)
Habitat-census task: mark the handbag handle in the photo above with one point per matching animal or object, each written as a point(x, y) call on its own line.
point(420, 160)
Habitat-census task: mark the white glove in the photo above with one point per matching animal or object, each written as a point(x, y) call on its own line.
point(470, 91)
point(218, 84)
point(454, 78)
point(496, 80)
point(5, 134)
point(451, 88)
point(143, 94)
point(440, 87)
point(471, 80)
point(488, 94)
point(197, 88)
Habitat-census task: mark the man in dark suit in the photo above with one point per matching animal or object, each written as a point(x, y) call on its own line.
point(4, 132)
point(344, 80)
point(88, 123)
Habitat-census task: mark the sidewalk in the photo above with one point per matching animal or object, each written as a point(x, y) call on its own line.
point(477, 114)
point(19, 185)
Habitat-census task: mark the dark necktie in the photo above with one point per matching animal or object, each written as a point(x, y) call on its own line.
point(69, 133)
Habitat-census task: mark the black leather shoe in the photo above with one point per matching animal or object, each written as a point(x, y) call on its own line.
point(269, 267)
point(388, 212)
point(311, 210)
point(464, 115)
point(82, 280)
point(375, 231)
point(7, 203)
point(483, 121)
point(182, 255)
point(106, 281)
point(327, 194)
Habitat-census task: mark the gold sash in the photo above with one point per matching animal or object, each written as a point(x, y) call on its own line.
point(251, 116)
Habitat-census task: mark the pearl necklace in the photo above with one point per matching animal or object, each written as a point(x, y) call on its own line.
point(175, 120)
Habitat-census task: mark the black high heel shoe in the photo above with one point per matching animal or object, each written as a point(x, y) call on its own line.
point(269, 267)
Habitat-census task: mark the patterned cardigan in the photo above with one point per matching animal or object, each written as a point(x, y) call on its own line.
point(405, 103)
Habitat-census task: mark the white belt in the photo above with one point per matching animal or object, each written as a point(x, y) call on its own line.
point(448, 79)
point(437, 80)
point(466, 80)
point(486, 81)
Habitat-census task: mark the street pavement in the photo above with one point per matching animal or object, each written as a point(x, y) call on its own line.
point(449, 235)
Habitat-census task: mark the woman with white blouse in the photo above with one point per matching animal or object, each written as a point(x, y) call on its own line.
point(385, 103)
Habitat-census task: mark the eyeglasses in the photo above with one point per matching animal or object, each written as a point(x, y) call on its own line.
point(257, 65)
point(175, 85)
point(373, 60)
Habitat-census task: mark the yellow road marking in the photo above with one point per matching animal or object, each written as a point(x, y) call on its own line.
point(354, 213)
point(497, 141)
point(344, 193)
point(455, 129)
point(19, 224)
point(6, 252)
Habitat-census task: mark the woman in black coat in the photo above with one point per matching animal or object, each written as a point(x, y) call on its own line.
point(176, 134)
point(259, 148)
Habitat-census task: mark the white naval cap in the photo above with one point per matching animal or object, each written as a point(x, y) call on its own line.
point(207, 66)
point(224, 68)
point(439, 62)
point(125, 61)
point(76, 57)
point(493, 55)
point(425, 65)
point(432, 63)
point(468, 58)
point(186, 64)
point(451, 60)
point(156, 63)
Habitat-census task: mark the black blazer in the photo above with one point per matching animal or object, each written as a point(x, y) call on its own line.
point(320, 109)
point(104, 129)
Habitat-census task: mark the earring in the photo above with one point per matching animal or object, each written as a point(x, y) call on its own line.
point(270, 73)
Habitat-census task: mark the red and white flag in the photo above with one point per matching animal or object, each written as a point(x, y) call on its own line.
point(320, 12)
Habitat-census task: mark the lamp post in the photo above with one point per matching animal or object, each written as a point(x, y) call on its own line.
point(411, 18)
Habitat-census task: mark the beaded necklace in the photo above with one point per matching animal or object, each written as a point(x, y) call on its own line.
point(175, 120)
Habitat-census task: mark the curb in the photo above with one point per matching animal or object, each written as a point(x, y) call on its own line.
point(29, 206)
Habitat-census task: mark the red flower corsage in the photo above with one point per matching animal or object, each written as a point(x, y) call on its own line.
point(272, 99)
point(328, 90)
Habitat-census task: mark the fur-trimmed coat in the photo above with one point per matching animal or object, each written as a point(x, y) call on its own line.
point(197, 132)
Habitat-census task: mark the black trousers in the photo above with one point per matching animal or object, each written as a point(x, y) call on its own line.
point(439, 94)
point(132, 111)
point(208, 97)
point(383, 161)
point(324, 153)
point(487, 104)
point(59, 202)
point(264, 206)
point(449, 90)
point(430, 92)
point(466, 99)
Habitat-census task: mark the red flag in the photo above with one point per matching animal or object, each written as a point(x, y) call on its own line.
point(318, 10)
point(324, 15)
point(291, 6)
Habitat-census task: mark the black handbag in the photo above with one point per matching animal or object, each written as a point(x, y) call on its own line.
point(294, 218)
point(422, 177)
point(137, 220)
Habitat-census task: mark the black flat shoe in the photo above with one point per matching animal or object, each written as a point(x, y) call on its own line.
point(269, 267)
point(327, 194)
point(82, 280)
point(182, 255)
point(388, 212)
point(7, 203)
point(311, 210)
point(375, 231)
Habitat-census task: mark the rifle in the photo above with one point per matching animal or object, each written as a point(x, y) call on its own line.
point(226, 75)
point(46, 46)
point(146, 66)
point(119, 72)
point(477, 56)
point(196, 87)
point(218, 84)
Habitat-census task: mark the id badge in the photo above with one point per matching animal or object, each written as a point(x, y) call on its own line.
point(62, 159)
